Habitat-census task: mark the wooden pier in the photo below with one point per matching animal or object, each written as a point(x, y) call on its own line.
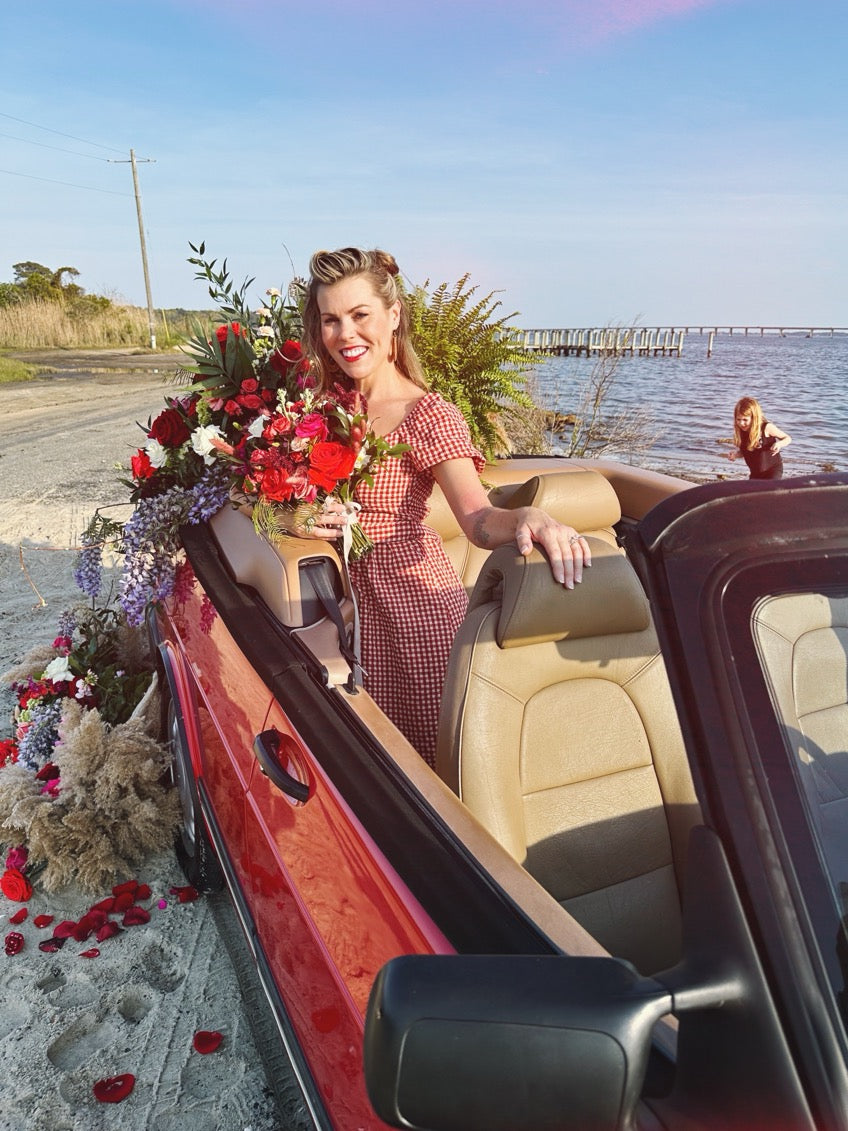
point(636, 341)
point(642, 341)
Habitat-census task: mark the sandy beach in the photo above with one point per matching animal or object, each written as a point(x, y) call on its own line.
point(68, 1021)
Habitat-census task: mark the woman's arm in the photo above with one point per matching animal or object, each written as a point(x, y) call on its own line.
point(488, 526)
point(782, 439)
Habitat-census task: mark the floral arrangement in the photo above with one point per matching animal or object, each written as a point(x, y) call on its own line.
point(249, 428)
point(83, 789)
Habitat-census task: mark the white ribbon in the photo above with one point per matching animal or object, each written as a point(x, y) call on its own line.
point(351, 516)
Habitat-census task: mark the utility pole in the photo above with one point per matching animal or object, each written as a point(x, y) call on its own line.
point(150, 318)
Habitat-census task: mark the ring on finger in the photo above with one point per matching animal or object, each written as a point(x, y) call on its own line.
point(573, 538)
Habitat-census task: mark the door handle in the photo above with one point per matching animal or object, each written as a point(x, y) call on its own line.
point(266, 747)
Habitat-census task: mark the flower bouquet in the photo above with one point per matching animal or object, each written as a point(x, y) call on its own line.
point(291, 462)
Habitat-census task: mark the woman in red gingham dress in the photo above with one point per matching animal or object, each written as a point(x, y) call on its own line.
point(411, 601)
point(356, 331)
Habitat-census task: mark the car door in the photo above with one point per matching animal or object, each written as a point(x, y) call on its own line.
point(749, 586)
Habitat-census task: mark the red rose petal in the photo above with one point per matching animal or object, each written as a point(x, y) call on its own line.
point(65, 929)
point(142, 892)
point(92, 952)
point(114, 1088)
point(207, 1040)
point(106, 905)
point(186, 894)
point(50, 946)
point(107, 931)
point(126, 886)
point(14, 942)
point(19, 916)
point(134, 916)
point(122, 901)
point(43, 920)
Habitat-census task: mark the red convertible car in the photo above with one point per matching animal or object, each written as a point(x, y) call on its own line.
point(618, 902)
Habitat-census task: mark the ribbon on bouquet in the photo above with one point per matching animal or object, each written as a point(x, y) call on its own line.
point(352, 510)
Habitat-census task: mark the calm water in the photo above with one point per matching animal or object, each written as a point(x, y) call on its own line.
point(801, 383)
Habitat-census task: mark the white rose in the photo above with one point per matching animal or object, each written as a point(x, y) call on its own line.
point(59, 671)
point(201, 442)
point(265, 332)
point(156, 453)
point(256, 426)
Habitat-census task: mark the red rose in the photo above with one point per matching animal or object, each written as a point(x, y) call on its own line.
point(250, 400)
point(283, 359)
point(8, 751)
point(249, 385)
point(329, 462)
point(15, 886)
point(141, 466)
point(170, 429)
point(222, 331)
point(273, 483)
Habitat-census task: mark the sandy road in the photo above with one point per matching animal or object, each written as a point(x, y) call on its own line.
point(64, 1023)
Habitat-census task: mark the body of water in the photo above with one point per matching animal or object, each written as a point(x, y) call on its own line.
point(801, 383)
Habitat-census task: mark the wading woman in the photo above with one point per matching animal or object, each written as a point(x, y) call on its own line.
point(758, 441)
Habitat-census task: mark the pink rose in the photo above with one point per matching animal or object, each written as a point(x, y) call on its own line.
point(17, 858)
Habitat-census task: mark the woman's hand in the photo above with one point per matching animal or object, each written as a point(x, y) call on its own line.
point(331, 524)
point(568, 551)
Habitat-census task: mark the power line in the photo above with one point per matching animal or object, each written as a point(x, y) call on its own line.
point(68, 184)
point(44, 145)
point(36, 126)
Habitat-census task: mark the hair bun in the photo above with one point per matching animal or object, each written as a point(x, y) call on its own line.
point(387, 261)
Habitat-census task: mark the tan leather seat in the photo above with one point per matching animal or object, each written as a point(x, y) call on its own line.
point(559, 732)
point(579, 496)
point(803, 640)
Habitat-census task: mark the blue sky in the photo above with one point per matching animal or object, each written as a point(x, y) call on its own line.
point(595, 161)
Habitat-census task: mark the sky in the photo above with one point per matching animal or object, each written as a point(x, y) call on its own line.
point(594, 162)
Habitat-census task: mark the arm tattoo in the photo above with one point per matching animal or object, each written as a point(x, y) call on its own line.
point(481, 538)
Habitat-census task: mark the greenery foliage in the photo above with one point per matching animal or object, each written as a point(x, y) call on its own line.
point(470, 357)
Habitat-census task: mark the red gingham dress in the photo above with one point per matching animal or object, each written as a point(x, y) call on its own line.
point(411, 601)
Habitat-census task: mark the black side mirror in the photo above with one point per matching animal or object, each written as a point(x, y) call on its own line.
point(453, 1043)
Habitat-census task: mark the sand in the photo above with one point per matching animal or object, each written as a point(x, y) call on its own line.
point(68, 1021)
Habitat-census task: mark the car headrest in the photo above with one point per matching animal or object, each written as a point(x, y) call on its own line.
point(581, 498)
point(534, 609)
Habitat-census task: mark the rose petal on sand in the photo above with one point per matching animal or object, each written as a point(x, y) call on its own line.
point(106, 905)
point(185, 894)
point(134, 916)
point(126, 886)
point(113, 1089)
point(65, 929)
point(50, 946)
point(43, 920)
point(92, 952)
point(123, 900)
point(18, 917)
point(14, 942)
point(142, 892)
point(207, 1040)
point(107, 931)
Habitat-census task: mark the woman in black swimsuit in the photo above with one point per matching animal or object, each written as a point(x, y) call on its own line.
point(758, 441)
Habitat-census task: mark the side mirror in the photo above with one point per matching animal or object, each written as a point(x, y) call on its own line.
point(495, 1043)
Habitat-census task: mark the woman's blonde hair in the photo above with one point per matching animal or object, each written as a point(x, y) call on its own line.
point(381, 269)
point(748, 406)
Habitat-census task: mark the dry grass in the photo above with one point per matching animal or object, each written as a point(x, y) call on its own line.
point(51, 325)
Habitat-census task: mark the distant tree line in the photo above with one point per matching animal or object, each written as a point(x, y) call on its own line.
point(36, 283)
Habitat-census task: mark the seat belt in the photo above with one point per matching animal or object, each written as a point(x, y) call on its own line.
point(324, 592)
